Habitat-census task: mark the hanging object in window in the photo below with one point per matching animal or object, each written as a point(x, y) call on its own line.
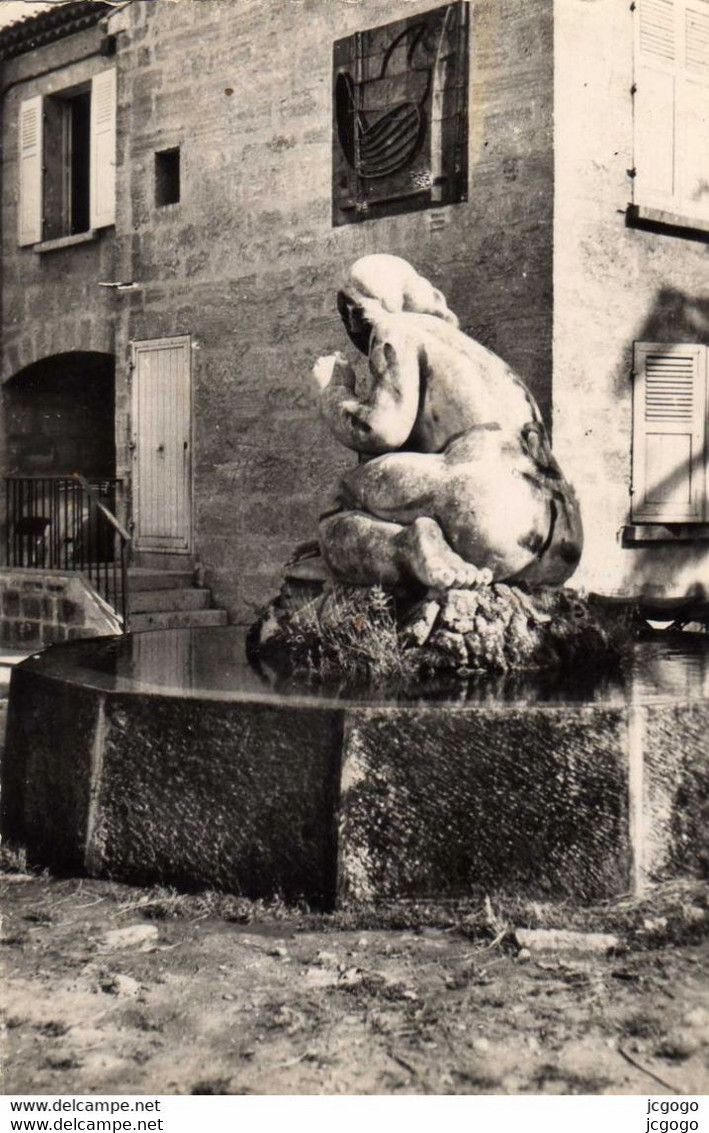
point(400, 116)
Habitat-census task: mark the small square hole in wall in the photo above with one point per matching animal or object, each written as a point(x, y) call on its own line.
point(167, 177)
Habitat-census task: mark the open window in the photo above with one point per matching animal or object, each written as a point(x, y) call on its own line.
point(67, 133)
point(670, 434)
point(67, 161)
point(671, 111)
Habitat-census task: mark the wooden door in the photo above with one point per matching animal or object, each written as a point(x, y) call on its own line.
point(162, 445)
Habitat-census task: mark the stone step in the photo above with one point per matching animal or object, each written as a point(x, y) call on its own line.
point(140, 579)
point(155, 560)
point(147, 601)
point(177, 619)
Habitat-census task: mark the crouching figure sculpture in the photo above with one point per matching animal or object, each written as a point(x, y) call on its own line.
point(463, 488)
point(447, 544)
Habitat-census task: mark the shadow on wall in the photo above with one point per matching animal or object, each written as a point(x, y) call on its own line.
point(652, 568)
point(681, 601)
point(674, 318)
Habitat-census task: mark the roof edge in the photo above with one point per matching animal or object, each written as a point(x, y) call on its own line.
point(53, 24)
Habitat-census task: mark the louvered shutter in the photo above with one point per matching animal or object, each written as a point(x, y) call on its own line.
point(655, 105)
point(30, 152)
point(671, 107)
point(103, 149)
point(669, 414)
point(693, 109)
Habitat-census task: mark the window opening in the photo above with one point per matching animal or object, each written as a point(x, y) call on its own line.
point(167, 177)
point(79, 109)
point(67, 160)
point(67, 164)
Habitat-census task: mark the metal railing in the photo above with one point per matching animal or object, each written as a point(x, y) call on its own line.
point(68, 523)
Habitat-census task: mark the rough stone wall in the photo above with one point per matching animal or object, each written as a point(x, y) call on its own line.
point(613, 285)
point(248, 261)
point(51, 302)
point(40, 608)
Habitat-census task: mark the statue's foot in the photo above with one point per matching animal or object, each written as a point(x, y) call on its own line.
point(431, 560)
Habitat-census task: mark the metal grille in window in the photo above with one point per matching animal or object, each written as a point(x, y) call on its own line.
point(400, 99)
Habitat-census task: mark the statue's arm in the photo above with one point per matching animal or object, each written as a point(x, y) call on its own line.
point(374, 412)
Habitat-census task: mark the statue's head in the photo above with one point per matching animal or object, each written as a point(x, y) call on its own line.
point(386, 282)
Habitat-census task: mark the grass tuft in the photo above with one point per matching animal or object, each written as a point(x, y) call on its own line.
point(13, 859)
point(351, 634)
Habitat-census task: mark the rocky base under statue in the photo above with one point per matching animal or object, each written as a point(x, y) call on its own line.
point(330, 631)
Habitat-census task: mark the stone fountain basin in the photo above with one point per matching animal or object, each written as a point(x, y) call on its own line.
point(165, 757)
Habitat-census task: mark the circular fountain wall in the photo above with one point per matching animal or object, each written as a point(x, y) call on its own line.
point(165, 756)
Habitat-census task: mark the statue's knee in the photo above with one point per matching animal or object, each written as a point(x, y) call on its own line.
point(331, 527)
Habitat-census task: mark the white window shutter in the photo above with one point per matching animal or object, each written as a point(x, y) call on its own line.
point(693, 108)
point(671, 106)
point(669, 415)
point(30, 143)
point(694, 147)
point(103, 149)
point(696, 38)
point(655, 105)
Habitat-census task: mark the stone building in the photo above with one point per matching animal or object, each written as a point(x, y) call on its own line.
point(183, 183)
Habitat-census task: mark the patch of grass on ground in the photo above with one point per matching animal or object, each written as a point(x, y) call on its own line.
point(672, 912)
point(13, 859)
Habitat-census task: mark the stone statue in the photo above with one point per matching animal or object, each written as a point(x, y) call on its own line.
point(448, 543)
point(461, 488)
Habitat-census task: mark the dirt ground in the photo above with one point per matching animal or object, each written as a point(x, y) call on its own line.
point(114, 989)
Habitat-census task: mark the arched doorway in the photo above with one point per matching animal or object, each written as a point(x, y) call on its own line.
point(59, 420)
point(60, 417)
